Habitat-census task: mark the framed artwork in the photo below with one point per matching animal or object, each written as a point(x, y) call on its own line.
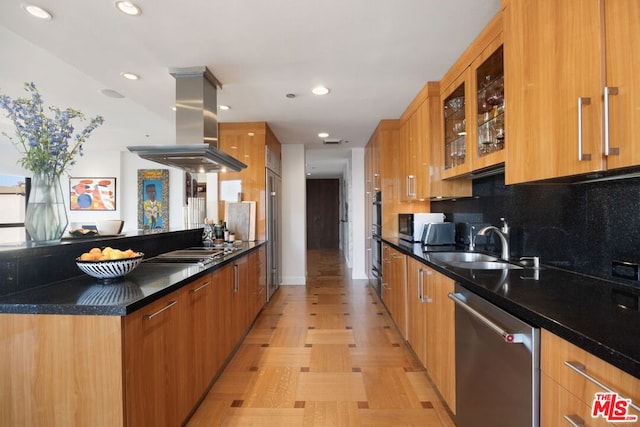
point(92, 194)
point(153, 199)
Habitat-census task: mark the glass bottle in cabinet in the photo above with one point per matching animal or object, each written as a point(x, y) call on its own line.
point(455, 146)
point(490, 105)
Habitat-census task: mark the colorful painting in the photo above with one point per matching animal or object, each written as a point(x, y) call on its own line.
point(92, 194)
point(153, 199)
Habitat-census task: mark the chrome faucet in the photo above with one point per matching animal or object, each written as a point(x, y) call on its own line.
point(502, 235)
point(472, 238)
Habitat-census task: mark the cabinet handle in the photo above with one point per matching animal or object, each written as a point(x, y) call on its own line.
point(421, 274)
point(376, 179)
point(204, 285)
point(608, 150)
point(582, 101)
point(581, 370)
point(236, 278)
point(167, 307)
point(411, 192)
point(574, 420)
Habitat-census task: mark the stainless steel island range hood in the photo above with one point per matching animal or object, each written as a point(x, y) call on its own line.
point(196, 149)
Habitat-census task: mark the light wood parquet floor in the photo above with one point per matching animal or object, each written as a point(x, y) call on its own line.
point(324, 354)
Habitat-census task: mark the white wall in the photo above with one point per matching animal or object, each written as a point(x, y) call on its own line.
point(124, 167)
point(95, 164)
point(294, 224)
point(357, 214)
point(130, 163)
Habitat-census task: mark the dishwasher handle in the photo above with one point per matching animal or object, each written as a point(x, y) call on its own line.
point(508, 337)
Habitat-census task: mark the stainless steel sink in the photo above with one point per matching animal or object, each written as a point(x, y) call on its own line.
point(472, 260)
point(463, 257)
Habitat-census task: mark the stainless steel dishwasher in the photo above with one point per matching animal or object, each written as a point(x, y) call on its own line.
point(497, 365)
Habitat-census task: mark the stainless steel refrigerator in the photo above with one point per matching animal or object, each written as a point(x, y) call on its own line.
point(274, 251)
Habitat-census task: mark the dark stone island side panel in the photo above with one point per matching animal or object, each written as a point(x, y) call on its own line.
point(29, 267)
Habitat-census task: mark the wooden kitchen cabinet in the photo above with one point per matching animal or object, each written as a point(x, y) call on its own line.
point(394, 284)
point(257, 282)
point(249, 143)
point(419, 130)
point(441, 351)
point(468, 126)
point(156, 363)
point(431, 326)
point(372, 158)
point(414, 160)
point(558, 406)
point(202, 354)
point(417, 309)
point(487, 148)
point(241, 299)
point(563, 388)
point(455, 112)
point(439, 188)
point(223, 278)
point(565, 63)
point(388, 135)
point(61, 370)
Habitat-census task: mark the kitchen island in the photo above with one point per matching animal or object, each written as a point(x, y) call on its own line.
point(142, 351)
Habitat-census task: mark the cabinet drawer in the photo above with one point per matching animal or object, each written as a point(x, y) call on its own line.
point(559, 408)
point(556, 353)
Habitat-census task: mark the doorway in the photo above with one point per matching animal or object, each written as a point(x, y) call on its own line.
point(323, 213)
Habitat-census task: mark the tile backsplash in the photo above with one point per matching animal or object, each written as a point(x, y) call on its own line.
point(578, 227)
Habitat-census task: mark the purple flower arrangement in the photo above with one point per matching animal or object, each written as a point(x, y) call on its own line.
point(47, 142)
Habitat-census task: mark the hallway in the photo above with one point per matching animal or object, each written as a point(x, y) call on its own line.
point(324, 354)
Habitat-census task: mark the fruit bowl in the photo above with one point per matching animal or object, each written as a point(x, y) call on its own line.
point(109, 269)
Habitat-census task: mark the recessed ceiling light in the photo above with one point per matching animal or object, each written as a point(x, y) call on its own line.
point(37, 11)
point(130, 76)
point(224, 107)
point(320, 90)
point(251, 134)
point(323, 135)
point(128, 8)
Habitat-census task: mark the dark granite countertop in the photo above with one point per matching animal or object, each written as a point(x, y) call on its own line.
point(585, 311)
point(84, 295)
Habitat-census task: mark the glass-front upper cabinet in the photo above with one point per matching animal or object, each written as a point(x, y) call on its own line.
point(454, 109)
point(454, 124)
point(489, 107)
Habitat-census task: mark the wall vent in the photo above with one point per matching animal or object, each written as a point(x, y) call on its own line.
point(334, 141)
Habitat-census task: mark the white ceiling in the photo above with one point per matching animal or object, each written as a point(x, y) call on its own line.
point(374, 55)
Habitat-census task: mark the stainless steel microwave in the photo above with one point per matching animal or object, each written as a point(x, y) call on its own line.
point(410, 225)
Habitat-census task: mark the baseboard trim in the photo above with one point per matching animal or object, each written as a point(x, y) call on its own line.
point(300, 281)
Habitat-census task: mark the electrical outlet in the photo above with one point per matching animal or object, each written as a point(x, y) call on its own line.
point(625, 270)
